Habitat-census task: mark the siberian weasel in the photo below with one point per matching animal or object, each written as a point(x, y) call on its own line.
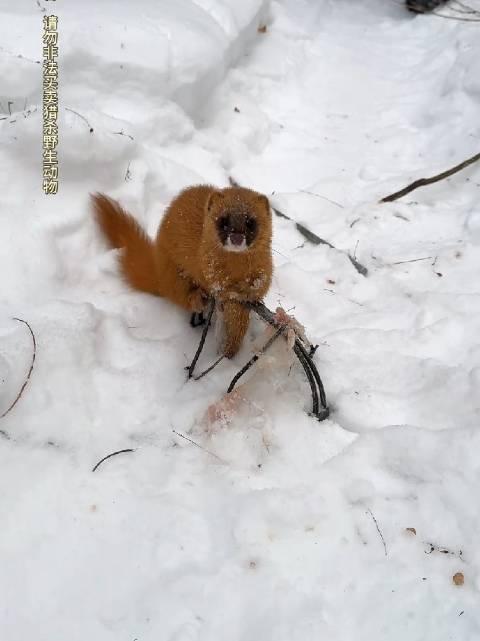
point(211, 242)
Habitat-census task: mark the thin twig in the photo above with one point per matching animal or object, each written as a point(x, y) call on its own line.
point(197, 445)
point(378, 530)
point(422, 182)
point(34, 354)
point(122, 133)
point(110, 456)
point(464, 9)
point(191, 367)
point(209, 369)
point(255, 358)
point(80, 116)
point(350, 300)
point(312, 193)
point(467, 8)
point(441, 15)
point(414, 260)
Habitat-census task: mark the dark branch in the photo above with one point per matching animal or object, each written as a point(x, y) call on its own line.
point(191, 367)
point(34, 354)
point(311, 380)
point(361, 269)
point(315, 373)
point(422, 182)
point(311, 237)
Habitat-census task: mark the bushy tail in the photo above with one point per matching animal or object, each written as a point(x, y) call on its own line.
point(123, 232)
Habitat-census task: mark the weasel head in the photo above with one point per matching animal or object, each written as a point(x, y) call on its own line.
point(240, 218)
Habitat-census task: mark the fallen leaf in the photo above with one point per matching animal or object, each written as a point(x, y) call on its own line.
point(458, 578)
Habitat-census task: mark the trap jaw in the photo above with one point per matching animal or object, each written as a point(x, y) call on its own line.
point(320, 409)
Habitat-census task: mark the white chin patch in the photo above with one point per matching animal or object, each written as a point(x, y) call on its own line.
point(230, 247)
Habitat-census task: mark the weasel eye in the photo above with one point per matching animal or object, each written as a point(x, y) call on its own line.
point(251, 224)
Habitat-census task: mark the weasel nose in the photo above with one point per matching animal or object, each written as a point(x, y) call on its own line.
point(236, 238)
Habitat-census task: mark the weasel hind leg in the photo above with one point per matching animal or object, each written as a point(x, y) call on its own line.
point(178, 288)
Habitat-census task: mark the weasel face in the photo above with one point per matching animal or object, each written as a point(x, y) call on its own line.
point(239, 220)
point(237, 230)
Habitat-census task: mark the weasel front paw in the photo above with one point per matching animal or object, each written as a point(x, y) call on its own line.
point(197, 300)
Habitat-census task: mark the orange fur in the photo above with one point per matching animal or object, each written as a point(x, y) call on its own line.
point(122, 231)
point(187, 262)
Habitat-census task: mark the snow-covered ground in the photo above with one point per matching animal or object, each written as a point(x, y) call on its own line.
point(280, 528)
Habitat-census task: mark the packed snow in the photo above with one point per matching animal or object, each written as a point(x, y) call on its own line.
point(264, 523)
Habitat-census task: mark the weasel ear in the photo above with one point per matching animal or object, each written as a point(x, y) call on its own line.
point(264, 203)
point(214, 199)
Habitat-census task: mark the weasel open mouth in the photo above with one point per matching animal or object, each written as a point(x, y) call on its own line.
point(236, 230)
point(236, 242)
